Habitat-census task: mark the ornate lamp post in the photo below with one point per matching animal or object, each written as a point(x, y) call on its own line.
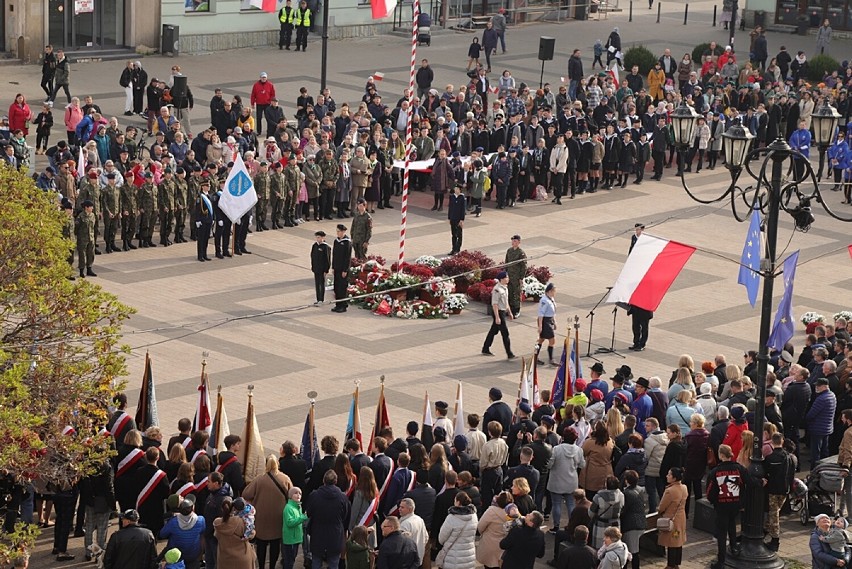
point(773, 187)
point(824, 121)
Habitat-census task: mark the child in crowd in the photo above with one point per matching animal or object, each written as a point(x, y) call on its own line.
point(246, 512)
point(358, 549)
point(598, 49)
point(836, 537)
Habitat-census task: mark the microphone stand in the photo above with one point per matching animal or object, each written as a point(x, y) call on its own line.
point(591, 316)
point(611, 349)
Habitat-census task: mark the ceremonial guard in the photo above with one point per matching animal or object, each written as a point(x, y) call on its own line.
point(517, 270)
point(84, 230)
point(341, 253)
point(90, 190)
point(110, 203)
point(276, 194)
point(320, 264)
point(222, 233)
point(166, 201)
point(361, 230)
point(203, 221)
point(147, 210)
point(441, 409)
point(261, 186)
point(129, 210)
point(182, 203)
point(292, 183)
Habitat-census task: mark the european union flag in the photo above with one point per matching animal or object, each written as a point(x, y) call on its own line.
point(750, 261)
point(783, 329)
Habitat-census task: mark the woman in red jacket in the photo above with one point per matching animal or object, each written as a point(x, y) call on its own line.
point(20, 115)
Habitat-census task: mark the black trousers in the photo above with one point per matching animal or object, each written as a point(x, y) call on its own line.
point(503, 329)
point(274, 546)
point(640, 329)
point(640, 171)
point(319, 286)
point(327, 201)
point(674, 556)
point(456, 235)
point(523, 187)
point(492, 484)
point(47, 85)
point(222, 236)
point(285, 35)
point(340, 285)
point(63, 506)
point(56, 89)
point(261, 109)
point(301, 37)
point(242, 233)
point(569, 181)
point(202, 239)
point(726, 529)
point(138, 99)
point(558, 181)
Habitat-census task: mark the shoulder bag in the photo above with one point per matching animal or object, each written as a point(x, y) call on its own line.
point(667, 524)
point(278, 485)
point(442, 555)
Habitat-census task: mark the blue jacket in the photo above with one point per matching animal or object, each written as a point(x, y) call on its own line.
point(820, 417)
point(84, 129)
point(839, 151)
point(820, 555)
point(597, 384)
point(801, 140)
point(641, 409)
point(188, 541)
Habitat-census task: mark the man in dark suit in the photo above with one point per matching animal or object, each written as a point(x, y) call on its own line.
point(455, 213)
point(641, 321)
point(638, 228)
point(498, 411)
point(152, 487)
point(229, 466)
point(340, 255)
point(357, 458)
point(203, 221)
point(8, 156)
point(330, 447)
point(382, 464)
point(320, 264)
point(291, 464)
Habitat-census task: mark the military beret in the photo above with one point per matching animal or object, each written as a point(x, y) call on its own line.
point(320, 233)
point(88, 203)
point(110, 175)
point(525, 407)
point(341, 227)
point(441, 405)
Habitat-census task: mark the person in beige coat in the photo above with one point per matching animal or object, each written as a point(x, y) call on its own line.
point(597, 451)
point(672, 506)
point(234, 552)
point(268, 494)
point(361, 172)
point(492, 528)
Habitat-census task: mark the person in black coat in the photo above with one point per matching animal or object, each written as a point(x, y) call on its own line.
point(459, 458)
point(641, 322)
point(524, 543)
point(329, 447)
point(455, 213)
point(675, 455)
point(340, 255)
point(626, 157)
point(443, 502)
point(498, 411)
point(397, 551)
point(613, 46)
point(320, 264)
point(328, 512)
point(795, 405)
point(633, 515)
point(132, 546)
point(291, 464)
point(719, 430)
point(424, 497)
point(204, 218)
point(578, 555)
point(634, 459)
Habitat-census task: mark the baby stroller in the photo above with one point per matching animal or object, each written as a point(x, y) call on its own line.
point(824, 492)
point(424, 29)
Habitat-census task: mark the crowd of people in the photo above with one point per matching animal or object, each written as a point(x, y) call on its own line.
point(585, 472)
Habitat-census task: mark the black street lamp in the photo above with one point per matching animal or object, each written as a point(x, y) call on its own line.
point(774, 187)
point(824, 121)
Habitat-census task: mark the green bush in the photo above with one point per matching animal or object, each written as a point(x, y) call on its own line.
point(698, 53)
point(640, 56)
point(820, 66)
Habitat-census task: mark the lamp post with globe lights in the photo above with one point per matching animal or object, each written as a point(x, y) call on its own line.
point(771, 186)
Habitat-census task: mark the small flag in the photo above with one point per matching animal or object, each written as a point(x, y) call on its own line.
point(239, 195)
point(252, 459)
point(783, 329)
point(353, 425)
point(146, 411)
point(69, 431)
point(377, 76)
point(566, 375)
point(382, 8)
point(219, 429)
point(535, 392)
point(426, 426)
point(649, 271)
point(613, 72)
point(381, 419)
point(749, 275)
point(459, 427)
point(494, 90)
point(81, 165)
point(310, 450)
point(265, 5)
point(202, 420)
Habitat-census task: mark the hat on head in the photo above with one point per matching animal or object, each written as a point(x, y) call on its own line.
point(341, 227)
point(237, 130)
point(320, 233)
point(495, 394)
point(638, 225)
point(516, 237)
point(785, 355)
point(525, 407)
point(624, 372)
point(361, 201)
point(502, 275)
point(459, 442)
point(263, 74)
point(186, 505)
point(264, 163)
point(270, 139)
point(621, 396)
point(442, 405)
point(50, 169)
point(172, 555)
point(820, 517)
point(738, 412)
point(88, 203)
point(597, 395)
point(173, 502)
point(643, 382)
point(130, 515)
point(580, 384)
point(547, 420)
point(598, 368)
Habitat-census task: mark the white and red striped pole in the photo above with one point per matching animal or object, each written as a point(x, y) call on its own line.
point(408, 136)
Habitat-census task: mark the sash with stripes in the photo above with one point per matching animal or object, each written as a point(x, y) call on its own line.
point(119, 424)
point(226, 464)
point(184, 490)
point(202, 485)
point(395, 510)
point(186, 442)
point(197, 454)
point(351, 487)
point(149, 487)
point(132, 458)
point(386, 484)
point(367, 518)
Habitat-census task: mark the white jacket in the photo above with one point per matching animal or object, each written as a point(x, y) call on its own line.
point(458, 538)
point(559, 158)
point(563, 466)
point(655, 448)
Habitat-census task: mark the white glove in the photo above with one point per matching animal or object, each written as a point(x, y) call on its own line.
point(197, 224)
point(221, 223)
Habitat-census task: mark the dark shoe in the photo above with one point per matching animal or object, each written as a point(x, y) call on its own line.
point(207, 259)
point(773, 544)
point(487, 352)
point(389, 206)
point(97, 251)
point(124, 246)
point(220, 256)
point(82, 275)
point(511, 356)
point(71, 278)
point(151, 244)
point(434, 208)
point(65, 557)
point(226, 254)
point(90, 272)
point(131, 246)
point(237, 253)
point(380, 206)
point(80, 533)
point(245, 252)
point(201, 259)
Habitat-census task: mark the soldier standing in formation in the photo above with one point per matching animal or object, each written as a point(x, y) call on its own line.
point(110, 204)
point(129, 210)
point(68, 232)
point(320, 264)
point(340, 255)
point(292, 183)
point(276, 194)
point(203, 220)
point(182, 202)
point(84, 230)
point(361, 230)
point(517, 270)
point(166, 201)
point(261, 186)
point(90, 190)
point(147, 210)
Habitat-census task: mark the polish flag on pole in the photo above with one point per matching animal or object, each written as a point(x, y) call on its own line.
point(613, 71)
point(265, 5)
point(382, 8)
point(377, 76)
point(649, 271)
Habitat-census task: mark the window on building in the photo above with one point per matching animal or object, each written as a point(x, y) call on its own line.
point(197, 5)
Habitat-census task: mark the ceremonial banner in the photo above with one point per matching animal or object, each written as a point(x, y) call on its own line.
point(784, 327)
point(749, 275)
point(146, 410)
point(239, 195)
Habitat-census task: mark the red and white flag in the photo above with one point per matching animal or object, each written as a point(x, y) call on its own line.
point(649, 271)
point(850, 250)
point(382, 8)
point(202, 420)
point(265, 5)
point(613, 72)
point(377, 76)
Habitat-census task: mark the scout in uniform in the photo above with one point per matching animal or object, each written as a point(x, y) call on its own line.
point(147, 211)
point(292, 183)
point(181, 204)
point(517, 271)
point(90, 190)
point(276, 194)
point(166, 201)
point(110, 208)
point(320, 264)
point(261, 187)
point(129, 210)
point(84, 231)
point(203, 221)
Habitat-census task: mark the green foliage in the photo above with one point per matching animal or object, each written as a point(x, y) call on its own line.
point(698, 53)
point(60, 358)
point(19, 543)
point(641, 56)
point(820, 66)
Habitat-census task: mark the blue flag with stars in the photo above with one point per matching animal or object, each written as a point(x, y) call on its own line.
point(750, 261)
point(783, 329)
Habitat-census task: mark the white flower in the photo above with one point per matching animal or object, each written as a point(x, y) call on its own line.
point(809, 317)
point(427, 261)
point(532, 286)
point(455, 302)
point(845, 314)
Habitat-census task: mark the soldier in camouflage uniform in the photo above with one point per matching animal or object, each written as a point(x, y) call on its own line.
point(68, 231)
point(517, 271)
point(84, 231)
point(147, 211)
point(330, 172)
point(166, 201)
point(182, 204)
point(129, 210)
point(194, 189)
point(361, 230)
point(110, 204)
point(313, 181)
point(292, 183)
point(276, 194)
point(261, 187)
point(90, 190)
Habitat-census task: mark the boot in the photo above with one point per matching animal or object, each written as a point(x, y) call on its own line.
point(107, 248)
point(82, 273)
point(124, 246)
point(98, 251)
point(90, 272)
point(143, 244)
point(151, 243)
point(288, 222)
point(114, 248)
point(130, 245)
